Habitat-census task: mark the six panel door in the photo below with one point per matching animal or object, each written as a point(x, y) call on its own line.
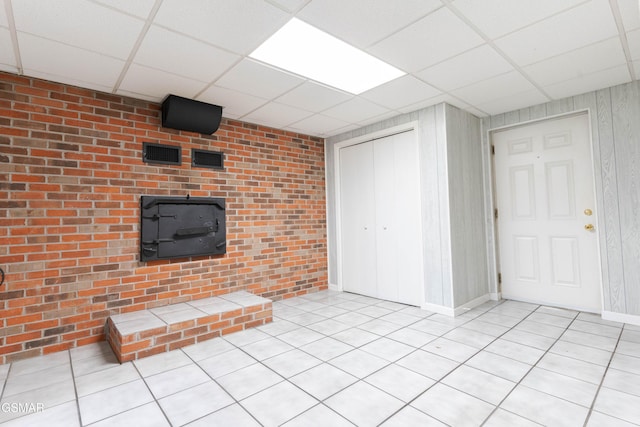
point(546, 214)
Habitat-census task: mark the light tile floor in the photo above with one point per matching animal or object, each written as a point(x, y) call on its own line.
point(339, 359)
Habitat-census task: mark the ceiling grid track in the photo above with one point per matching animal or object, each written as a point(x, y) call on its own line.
point(615, 9)
point(14, 35)
point(137, 44)
point(496, 48)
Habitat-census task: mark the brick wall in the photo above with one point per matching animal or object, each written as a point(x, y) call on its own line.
point(71, 175)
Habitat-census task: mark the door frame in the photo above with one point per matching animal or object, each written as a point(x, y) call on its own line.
point(390, 131)
point(492, 198)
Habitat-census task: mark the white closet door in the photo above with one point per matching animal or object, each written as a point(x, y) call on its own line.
point(398, 232)
point(357, 216)
point(381, 237)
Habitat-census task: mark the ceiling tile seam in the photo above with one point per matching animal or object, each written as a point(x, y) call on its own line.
point(393, 33)
point(268, 101)
point(189, 36)
point(284, 9)
point(8, 7)
point(617, 16)
point(137, 44)
point(450, 93)
point(490, 42)
point(115, 9)
point(216, 79)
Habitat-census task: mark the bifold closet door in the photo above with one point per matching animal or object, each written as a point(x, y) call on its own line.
point(381, 238)
point(357, 216)
point(398, 231)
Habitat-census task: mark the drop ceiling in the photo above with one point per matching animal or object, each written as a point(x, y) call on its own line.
point(486, 57)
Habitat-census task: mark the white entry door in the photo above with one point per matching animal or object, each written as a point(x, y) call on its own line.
point(546, 214)
point(380, 231)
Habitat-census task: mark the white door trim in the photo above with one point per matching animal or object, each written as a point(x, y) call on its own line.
point(599, 218)
point(406, 127)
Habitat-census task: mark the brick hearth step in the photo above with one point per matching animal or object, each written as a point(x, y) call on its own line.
point(146, 332)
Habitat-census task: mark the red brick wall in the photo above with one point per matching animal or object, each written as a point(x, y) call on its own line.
point(71, 175)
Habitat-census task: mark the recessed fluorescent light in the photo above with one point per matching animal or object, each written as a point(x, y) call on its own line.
point(302, 49)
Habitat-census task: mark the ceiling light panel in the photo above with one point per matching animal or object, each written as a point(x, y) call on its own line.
point(304, 50)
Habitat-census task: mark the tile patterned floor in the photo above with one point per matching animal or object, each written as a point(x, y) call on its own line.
point(339, 359)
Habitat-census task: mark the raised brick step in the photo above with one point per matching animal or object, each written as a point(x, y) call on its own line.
point(146, 332)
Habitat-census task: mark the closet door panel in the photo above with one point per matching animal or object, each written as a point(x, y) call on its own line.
point(384, 166)
point(407, 219)
point(357, 219)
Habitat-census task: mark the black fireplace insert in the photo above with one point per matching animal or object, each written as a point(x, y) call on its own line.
point(177, 227)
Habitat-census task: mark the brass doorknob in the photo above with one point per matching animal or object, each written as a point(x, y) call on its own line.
point(589, 227)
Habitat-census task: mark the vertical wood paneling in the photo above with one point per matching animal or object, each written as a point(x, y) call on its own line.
point(525, 114)
point(537, 112)
point(612, 243)
point(431, 230)
point(559, 106)
point(512, 117)
point(466, 202)
point(443, 197)
point(487, 185)
point(626, 118)
point(589, 102)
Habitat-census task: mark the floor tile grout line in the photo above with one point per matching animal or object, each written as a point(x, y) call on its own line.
point(461, 364)
point(604, 375)
point(236, 401)
point(528, 371)
point(75, 388)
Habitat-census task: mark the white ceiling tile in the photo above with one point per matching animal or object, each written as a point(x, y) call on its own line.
point(590, 82)
point(630, 12)
point(313, 97)
point(578, 27)
point(401, 92)
point(7, 56)
point(3, 17)
point(178, 54)
point(239, 25)
point(636, 67)
point(496, 18)
point(364, 22)
point(234, 103)
point(276, 115)
point(318, 125)
point(445, 97)
point(79, 23)
point(513, 102)
point(290, 5)
point(10, 68)
point(578, 63)
point(633, 37)
point(158, 84)
point(256, 79)
point(139, 8)
point(432, 39)
point(68, 63)
point(469, 67)
point(376, 119)
point(356, 110)
point(494, 88)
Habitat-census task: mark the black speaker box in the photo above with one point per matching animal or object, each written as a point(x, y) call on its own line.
point(187, 114)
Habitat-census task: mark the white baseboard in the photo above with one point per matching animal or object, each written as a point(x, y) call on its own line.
point(632, 319)
point(452, 312)
point(472, 304)
point(333, 287)
point(495, 296)
point(440, 309)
